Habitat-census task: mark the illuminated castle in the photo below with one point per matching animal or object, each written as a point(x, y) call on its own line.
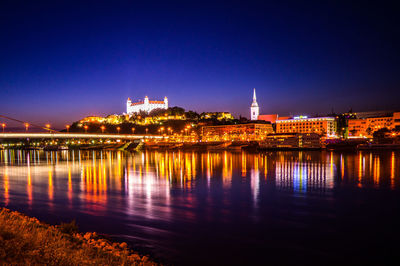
point(145, 105)
point(254, 109)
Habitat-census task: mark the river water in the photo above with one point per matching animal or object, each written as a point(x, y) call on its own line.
point(192, 208)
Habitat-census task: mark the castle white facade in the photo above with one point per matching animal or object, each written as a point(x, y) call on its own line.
point(254, 109)
point(146, 105)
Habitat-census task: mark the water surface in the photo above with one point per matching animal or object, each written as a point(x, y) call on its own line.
point(218, 208)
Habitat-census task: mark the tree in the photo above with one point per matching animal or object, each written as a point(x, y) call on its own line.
point(192, 115)
point(176, 110)
point(157, 112)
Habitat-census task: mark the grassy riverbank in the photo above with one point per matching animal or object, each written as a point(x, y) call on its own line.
point(25, 240)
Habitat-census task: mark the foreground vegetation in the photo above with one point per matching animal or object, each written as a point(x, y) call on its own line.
point(26, 241)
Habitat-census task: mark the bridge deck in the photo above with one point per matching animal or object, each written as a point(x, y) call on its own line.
point(75, 135)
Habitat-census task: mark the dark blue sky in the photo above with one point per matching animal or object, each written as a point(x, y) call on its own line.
point(60, 61)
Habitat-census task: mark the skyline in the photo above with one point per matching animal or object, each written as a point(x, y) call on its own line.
point(63, 61)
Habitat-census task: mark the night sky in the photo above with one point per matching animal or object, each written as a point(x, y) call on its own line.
point(61, 61)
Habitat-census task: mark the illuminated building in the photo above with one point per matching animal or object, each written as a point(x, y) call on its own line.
point(91, 119)
point(240, 132)
point(146, 105)
point(272, 118)
point(369, 122)
point(217, 115)
point(324, 126)
point(292, 140)
point(269, 118)
point(254, 109)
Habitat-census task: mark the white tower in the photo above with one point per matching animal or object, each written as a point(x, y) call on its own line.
point(166, 102)
point(255, 110)
point(128, 105)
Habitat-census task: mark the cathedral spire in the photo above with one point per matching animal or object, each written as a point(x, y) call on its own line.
point(254, 109)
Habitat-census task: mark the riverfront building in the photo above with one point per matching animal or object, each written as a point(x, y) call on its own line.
point(292, 141)
point(240, 132)
point(324, 126)
point(272, 118)
point(369, 122)
point(217, 115)
point(146, 105)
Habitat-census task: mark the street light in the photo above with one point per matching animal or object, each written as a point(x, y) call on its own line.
point(85, 127)
point(26, 126)
point(102, 129)
point(67, 126)
point(147, 130)
point(48, 126)
point(3, 125)
point(133, 130)
point(118, 129)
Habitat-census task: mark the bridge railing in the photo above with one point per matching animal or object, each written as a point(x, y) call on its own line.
point(78, 135)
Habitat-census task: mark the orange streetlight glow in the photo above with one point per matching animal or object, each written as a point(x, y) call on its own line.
point(118, 129)
point(26, 126)
point(67, 126)
point(102, 129)
point(133, 130)
point(86, 128)
point(3, 125)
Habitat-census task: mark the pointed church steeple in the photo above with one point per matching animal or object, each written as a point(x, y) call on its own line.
point(254, 109)
point(254, 98)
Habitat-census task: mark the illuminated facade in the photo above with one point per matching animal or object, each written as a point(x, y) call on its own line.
point(217, 115)
point(324, 126)
point(146, 105)
point(254, 109)
point(269, 118)
point(292, 140)
point(91, 119)
point(365, 126)
point(240, 132)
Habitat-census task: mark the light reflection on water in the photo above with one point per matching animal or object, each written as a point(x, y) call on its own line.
point(153, 197)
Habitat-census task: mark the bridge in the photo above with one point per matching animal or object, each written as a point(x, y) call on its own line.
point(59, 135)
point(53, 134)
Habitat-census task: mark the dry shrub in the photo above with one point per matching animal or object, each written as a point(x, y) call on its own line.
point(26, 241)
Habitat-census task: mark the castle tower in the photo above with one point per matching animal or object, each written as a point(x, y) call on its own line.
point(146, 104)
point(166, 102)
point(128, 105)
point(254, 109)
